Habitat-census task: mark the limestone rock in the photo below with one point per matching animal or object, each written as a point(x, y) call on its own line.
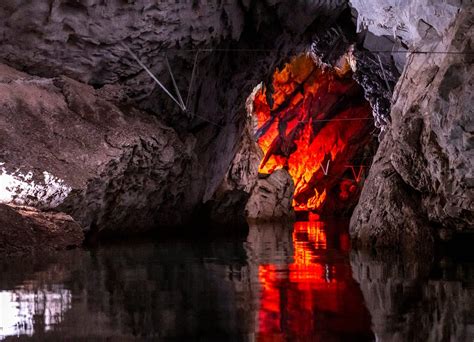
point(271, 197)
point(413, 22)
point(376, 73)
point(229, 201)
point(83, 40)
point(243, 193)
point(25, 230)
point(428, 150)
point(62, 146)
point(388, 213)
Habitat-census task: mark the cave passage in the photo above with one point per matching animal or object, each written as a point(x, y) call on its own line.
point(316, 124)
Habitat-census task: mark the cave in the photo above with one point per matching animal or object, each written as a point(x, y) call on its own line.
point(319, 120)
point(242, 170)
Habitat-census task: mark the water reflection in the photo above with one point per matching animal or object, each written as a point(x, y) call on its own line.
point(424, 298)
point(280, 283)
point(31, 308)
point(313, 296)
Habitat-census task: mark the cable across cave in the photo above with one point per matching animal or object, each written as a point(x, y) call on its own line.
point(178, 101)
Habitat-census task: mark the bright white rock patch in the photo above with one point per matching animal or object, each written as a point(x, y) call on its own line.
point(22, 189)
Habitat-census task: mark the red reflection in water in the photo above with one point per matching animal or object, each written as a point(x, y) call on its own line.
point(315, 297)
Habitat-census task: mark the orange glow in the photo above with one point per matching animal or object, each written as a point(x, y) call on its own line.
point(310, 129)
point(313, 295)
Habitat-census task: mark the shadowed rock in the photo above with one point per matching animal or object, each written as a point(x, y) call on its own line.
point(26, 230)
point(64, 146)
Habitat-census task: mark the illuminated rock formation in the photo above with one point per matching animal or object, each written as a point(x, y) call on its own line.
point(271, 198)
point(318, 128)
point(420, 185)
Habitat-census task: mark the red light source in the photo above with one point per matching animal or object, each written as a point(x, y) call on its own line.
point(318, 125)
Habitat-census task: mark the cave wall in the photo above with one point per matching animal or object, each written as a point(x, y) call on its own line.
point(411, 22)
point(65, 146)
point(420, 185)
point(84, 41)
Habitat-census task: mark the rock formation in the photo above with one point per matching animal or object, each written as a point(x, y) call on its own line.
point(421, 182)
point(28, 230)
point(409, 21)
point(131, 158)
point(100, 154)
point(244, 194)
point(63, 146)
point(271, 198)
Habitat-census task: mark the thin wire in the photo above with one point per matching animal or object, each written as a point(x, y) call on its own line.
point(152, 76)
point(183, 106)
point(395, 98)
point(339, 160)
point(192, 78)
point(423, 52)
point(341, 119)
point(363, 51)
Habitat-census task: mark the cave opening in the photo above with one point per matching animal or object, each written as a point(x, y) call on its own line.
point(313, 121)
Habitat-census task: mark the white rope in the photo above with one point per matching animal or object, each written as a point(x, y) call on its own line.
point(183, 106)
point(154, 78)
point(192, 77)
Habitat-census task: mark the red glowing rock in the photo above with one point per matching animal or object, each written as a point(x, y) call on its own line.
point(318, 126)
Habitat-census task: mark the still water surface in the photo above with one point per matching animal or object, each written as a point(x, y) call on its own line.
point(280, 283)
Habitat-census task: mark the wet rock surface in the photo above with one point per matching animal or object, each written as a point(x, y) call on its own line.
point(24, 230)
point(421, 180)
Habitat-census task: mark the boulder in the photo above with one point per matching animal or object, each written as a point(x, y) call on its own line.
point(271, 198)
point(65, 146)
point(228, 203)
point(244, 194)
point(26, 230)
